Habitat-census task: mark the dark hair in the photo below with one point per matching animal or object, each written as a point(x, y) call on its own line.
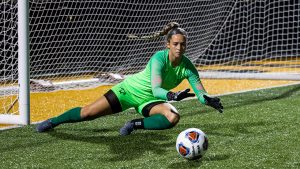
point(170, 29)
point(175, 31)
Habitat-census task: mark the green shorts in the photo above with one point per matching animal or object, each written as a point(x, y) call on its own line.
point(131, 100)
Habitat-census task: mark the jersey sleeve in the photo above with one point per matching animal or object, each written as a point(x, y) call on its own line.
point(156, 68)
point(195, 82)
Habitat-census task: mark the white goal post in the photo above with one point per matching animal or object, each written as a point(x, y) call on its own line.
point(23, 71)
point(51, 45)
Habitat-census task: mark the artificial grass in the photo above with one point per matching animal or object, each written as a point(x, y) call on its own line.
point(258, 129)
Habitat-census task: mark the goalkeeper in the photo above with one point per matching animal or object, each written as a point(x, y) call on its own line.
point(147, 91)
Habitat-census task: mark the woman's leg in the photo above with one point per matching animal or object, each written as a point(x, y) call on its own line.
point(161, 116)
point(166, 113)
point(100, 107)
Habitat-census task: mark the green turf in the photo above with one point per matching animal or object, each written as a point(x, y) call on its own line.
point(258, 129)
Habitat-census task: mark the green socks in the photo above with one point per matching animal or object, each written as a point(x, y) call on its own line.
point(155, 122)
point(70, 116)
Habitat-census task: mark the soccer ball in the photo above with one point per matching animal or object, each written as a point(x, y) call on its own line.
point(192, 143)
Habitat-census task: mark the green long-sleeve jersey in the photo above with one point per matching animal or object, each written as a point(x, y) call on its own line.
point(159, 77)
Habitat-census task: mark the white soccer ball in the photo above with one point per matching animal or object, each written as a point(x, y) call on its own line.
point(192, 143)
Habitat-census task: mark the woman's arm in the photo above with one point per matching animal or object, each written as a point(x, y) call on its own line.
point(195, 82)
point(156, 67)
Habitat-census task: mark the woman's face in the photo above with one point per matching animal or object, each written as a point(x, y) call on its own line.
point(177, 46)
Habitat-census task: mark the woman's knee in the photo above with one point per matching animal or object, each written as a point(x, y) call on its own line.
point(173, 117)
point(168, 111)
point(86, 112)
point(90, 112)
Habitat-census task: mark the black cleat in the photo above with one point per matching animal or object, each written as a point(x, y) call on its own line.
point(45, 126)
point(126, 129)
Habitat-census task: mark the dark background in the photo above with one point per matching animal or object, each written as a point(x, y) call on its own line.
point(67, 37)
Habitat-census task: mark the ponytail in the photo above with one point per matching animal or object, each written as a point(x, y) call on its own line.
point(166, 29)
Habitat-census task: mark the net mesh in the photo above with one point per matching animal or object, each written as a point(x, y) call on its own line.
point(8, 57)
point(258, 38)
point(79, 44)
point(71, 38)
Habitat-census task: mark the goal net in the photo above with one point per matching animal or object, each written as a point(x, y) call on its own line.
point(258, 40)
point(83, 44)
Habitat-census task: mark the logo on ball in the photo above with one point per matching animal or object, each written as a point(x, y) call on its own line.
point(193, 136)
point(183, 150)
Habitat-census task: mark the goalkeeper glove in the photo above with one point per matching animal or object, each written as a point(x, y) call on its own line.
point(214, 102)
point(179, 95)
